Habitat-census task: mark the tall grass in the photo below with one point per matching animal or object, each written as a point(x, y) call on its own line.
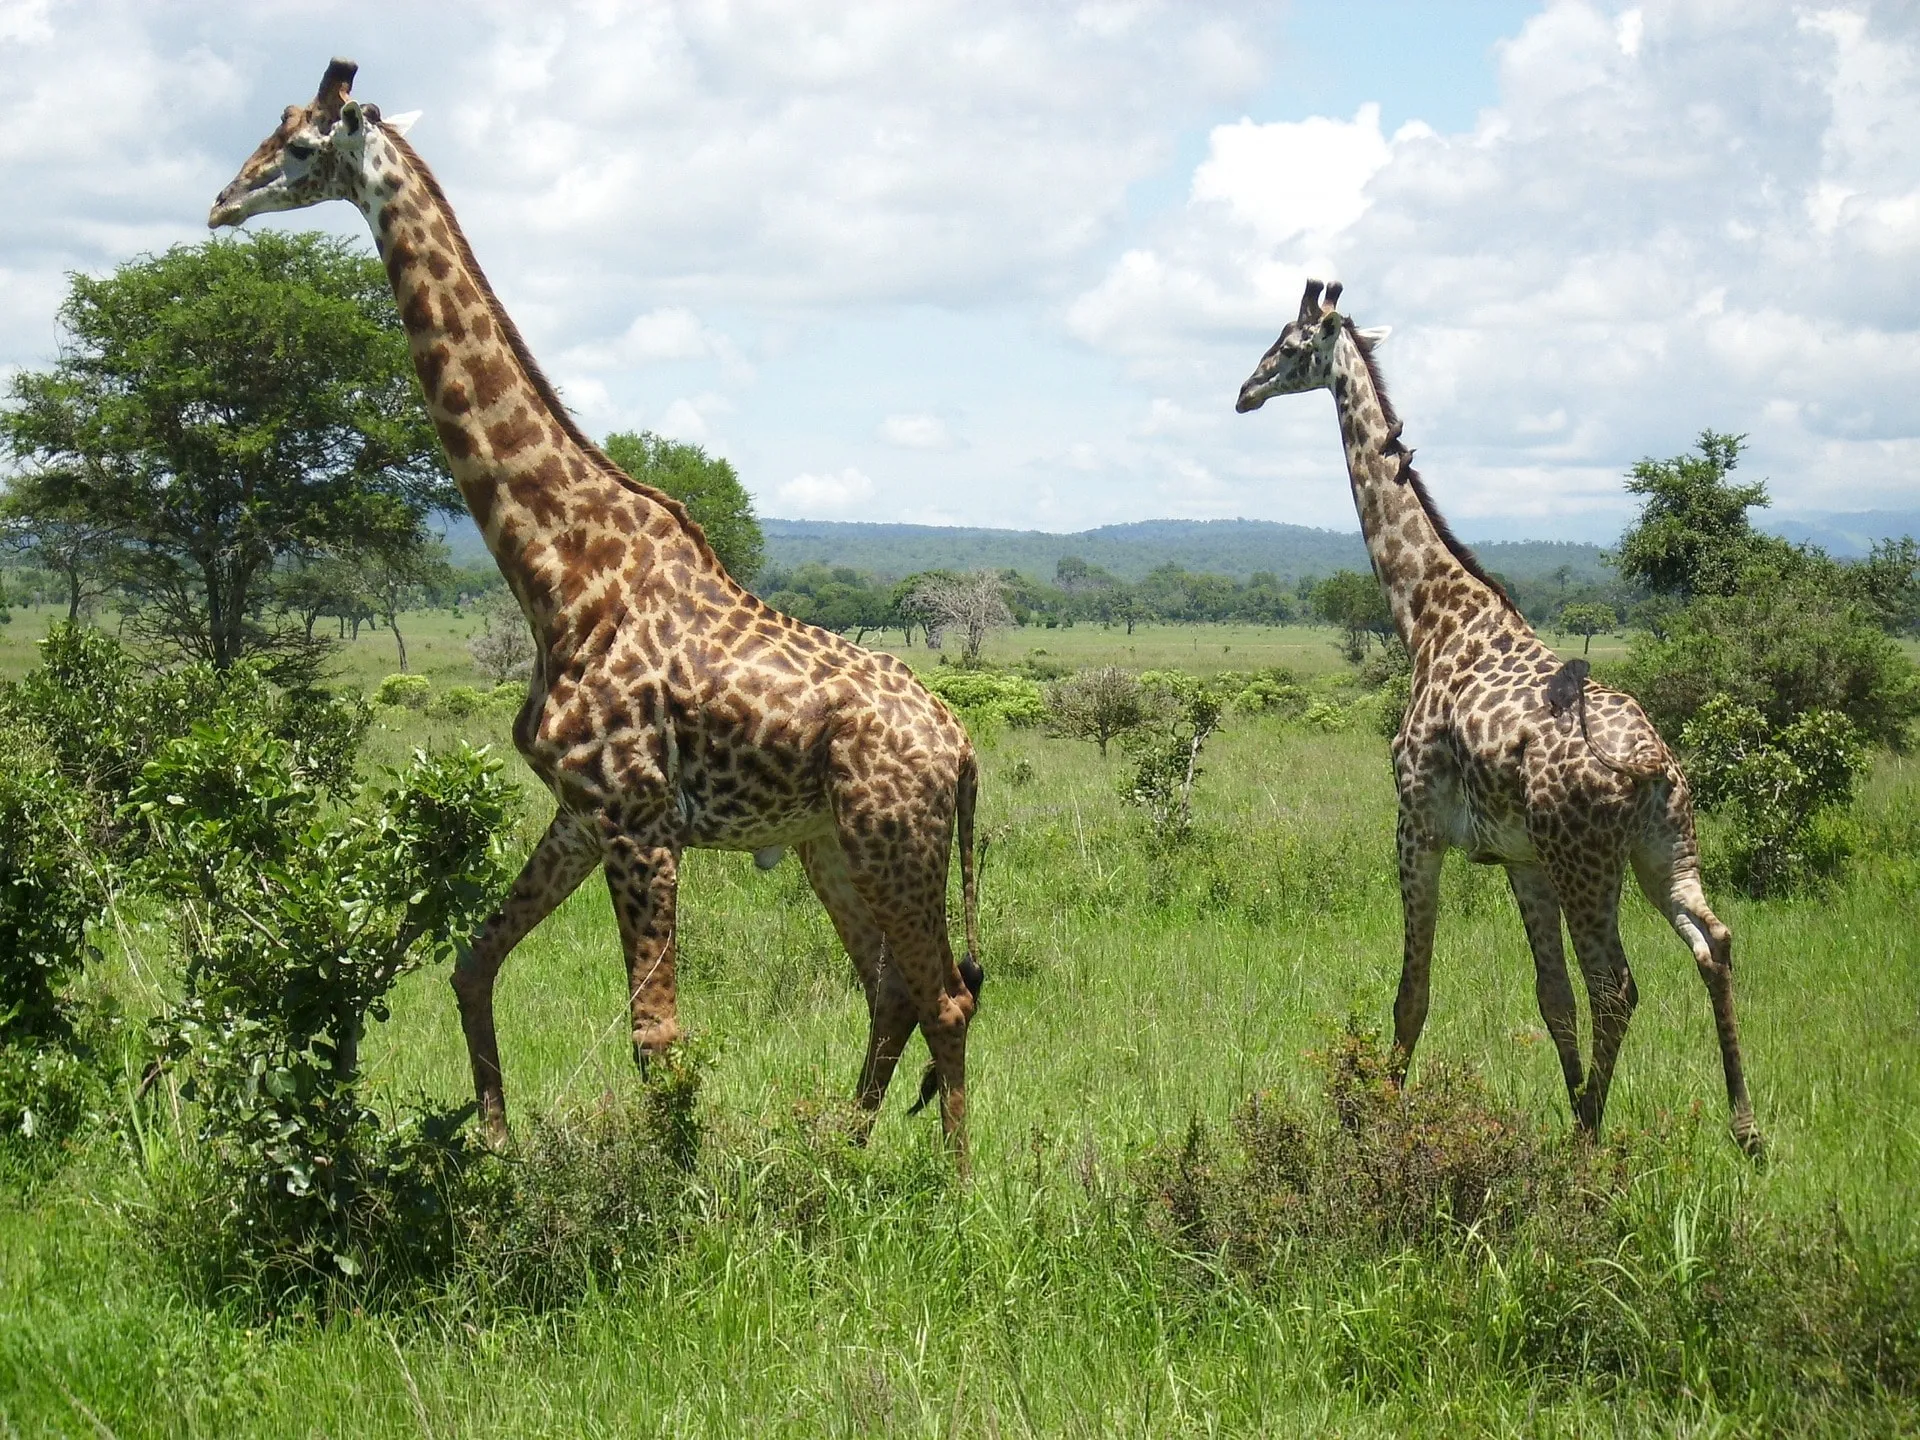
point(799, 1286)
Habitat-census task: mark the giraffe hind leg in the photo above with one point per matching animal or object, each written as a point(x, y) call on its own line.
point(891, 1013)
point(1671, 881)
point(1592, 903)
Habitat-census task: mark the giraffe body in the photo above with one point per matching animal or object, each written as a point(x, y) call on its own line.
point(1505, 753)
point(668, 707)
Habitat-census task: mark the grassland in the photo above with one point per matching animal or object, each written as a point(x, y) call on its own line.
point(1127, 995)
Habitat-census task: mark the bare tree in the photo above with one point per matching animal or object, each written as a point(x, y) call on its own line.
point(1098, 705)
point(504, 647)
point(974, 605)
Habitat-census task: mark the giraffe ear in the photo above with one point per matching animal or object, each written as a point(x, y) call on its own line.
point(1376, 336)
point(351, 117)
point(400, 124)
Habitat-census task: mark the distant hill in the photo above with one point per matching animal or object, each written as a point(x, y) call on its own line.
point(1223, 547)
point(1847, 535)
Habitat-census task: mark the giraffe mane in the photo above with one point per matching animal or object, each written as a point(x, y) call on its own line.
point(542, 386)
point(1456, 547)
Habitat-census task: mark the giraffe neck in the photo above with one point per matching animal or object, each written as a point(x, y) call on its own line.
point(522, 465)
point(1419, 571)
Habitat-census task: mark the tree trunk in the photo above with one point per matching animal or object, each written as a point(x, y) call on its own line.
point(1584, 649)
point(73, 596)
point(399, 640)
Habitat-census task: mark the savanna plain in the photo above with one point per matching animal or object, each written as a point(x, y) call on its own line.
point(1184, 1216)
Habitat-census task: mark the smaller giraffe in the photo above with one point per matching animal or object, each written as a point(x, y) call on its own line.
point(1505, 753)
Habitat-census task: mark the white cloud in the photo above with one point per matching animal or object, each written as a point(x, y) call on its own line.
point(917, 432)
point(690, 417)
point(1682, 215)
point(808, 496)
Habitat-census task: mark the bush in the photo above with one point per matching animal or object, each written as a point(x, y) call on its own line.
point(1166, 753)
point(458, 702)
point(1786, 647)
point(1097, 705)
point(1273, 691)
point(503, 650)
point(1780, 788)
point(1326, 716)
point(992, 696)
point(47, 894)
point(405, 692)
point(296, 921)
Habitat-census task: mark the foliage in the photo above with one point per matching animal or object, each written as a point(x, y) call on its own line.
point(404, 692)
point(706, 484)
point(1275, 690)
point(993, 696)
point(401, 561)
point(973, 604)
point(1693, 536)
point(1097, 705)
point(1781, 789)
point(43, 523)
point(296, 923)
point(102, 718)
point(47, 893)
point(1787, 642)
point(1887, 583)
point(1166, 753)
point(504, 647)
point(225, 408)
point(1357, 605)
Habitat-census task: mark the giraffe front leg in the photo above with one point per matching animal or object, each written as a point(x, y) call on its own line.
point(644, 881)
point(564, 857)
point(1420, 859)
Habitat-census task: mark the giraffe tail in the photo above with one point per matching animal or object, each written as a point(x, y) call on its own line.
point(1568, 689)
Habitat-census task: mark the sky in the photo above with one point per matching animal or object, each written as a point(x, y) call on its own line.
point(1007, 264)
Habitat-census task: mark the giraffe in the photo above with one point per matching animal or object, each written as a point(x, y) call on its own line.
point(668, 708)
point(1505, 753)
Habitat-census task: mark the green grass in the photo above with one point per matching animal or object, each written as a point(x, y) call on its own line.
point(1125, 996)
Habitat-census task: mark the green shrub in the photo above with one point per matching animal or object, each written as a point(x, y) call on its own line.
point(1324, 715)
point(994, 696)
point(1097, 705)
point(404, 692)
point(458, 702)
point(1166, 753)
point(1785, 647)
point(296, 920)
point(47, 893)
point(1782, 788)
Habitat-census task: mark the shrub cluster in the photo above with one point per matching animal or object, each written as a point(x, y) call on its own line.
point(296, 919)
point(1785, 789)
point(988, 697)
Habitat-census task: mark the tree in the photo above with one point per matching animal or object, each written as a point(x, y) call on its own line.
point(395, 567)
point(1588, 619)
point(1888, 584)
point(225, 408)
point(1358, 606)
point(504, 648)
point(706, 484)
point(53, 533)
point(973, 604)
point(1693, 536)
point(1098, 705)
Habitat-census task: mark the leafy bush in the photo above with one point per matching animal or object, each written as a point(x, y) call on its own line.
point(47, 895)
point(1166, 753)
point(405, 692)
point(990, 695)
point(503, 650)
point(1324, 715)
point(1780, 787)
point(296, 922)
point(1097, 705)
point(1787, 645)
point(1273, 691)
point(458, 702)
point(90, 705)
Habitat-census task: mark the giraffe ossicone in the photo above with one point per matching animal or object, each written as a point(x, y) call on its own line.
point(668, 707)
point(1504, 752)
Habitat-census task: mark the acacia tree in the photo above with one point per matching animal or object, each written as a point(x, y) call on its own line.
point(225, 408)
point(60, 537)
point(1693, 536)
point(1588, 618)
point(1358, 606)
point(706, 484)
point(396, 565)
point(974, 604)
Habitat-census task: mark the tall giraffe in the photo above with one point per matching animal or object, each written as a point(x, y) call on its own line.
point(668, 707)
point(1506, 753)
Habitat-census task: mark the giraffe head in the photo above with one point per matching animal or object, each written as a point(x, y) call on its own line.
point(317, 152)
point(1302, 358)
